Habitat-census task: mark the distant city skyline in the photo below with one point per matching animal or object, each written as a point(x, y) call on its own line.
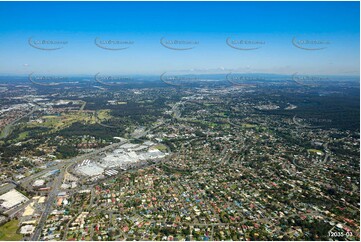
point(141, 37)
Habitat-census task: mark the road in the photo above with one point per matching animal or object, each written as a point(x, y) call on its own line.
point(57, 183)
point(7, 187)
point(12, 212)
point(58, 180)
point(7, 130)
point(51, 199)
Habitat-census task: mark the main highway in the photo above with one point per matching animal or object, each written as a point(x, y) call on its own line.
point(58, 180)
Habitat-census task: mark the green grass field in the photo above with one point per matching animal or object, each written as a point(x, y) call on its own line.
point(161, 147)
point(314, 151)
point(59, 122)
point(245, 125)
point(22, 135)
point(8, 231)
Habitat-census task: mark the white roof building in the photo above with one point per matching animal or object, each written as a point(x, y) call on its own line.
point(91, 169)
point(39, 183)
point(11, 199)
point(27, 229)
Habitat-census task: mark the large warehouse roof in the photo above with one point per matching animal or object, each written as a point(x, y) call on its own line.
point(11, 199)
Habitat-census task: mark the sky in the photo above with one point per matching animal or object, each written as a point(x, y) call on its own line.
point(263, 37)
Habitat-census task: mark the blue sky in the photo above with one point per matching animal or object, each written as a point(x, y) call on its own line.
point(274, 24)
